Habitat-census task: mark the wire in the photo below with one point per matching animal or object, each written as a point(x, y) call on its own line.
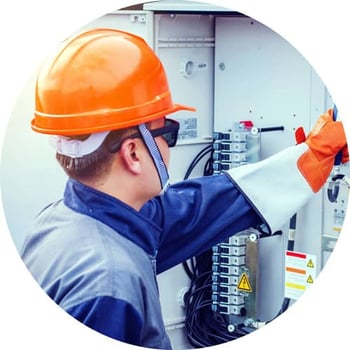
point(189, 270)
point(204, 327)
point(205, 151)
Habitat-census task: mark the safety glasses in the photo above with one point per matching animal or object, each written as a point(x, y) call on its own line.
point(169, 132)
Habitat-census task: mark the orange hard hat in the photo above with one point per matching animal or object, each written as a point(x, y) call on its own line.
point(102, 79)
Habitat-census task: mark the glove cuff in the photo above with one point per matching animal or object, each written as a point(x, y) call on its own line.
point(315, 171)
point(274, 186)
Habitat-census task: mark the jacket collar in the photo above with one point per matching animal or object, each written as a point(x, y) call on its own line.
point(125, 220)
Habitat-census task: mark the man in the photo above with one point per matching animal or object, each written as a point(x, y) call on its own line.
point(97, 251)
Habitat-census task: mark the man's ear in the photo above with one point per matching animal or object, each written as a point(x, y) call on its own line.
point(130, 155)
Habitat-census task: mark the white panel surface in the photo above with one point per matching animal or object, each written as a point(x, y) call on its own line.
point(137, 22)
point(182, 5)
point(185, 45)
point(260, 77)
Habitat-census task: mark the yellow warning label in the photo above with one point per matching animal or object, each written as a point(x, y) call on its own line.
point(244, 284)
point(310, 279)
point(295, 286)
point(310, 263)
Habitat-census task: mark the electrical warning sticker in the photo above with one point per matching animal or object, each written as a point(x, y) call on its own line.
point(300, 273)
point(244, 284)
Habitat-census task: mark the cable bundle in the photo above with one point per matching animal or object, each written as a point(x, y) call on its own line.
point(208, 169)
point(204, 327)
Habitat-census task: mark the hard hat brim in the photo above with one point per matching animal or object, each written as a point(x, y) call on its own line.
point(51, 125)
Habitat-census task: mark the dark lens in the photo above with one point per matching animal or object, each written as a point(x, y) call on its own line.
point(171, 136)
point(169, 132)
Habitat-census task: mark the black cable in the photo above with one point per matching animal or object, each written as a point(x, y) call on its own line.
point(193, 164)
point(205, 151)
point(333, 191)
point(187, 269)
point(204, 327)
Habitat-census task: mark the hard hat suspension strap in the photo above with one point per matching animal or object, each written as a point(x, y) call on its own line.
point(156, 156)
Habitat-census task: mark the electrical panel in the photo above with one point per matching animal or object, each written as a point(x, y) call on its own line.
point(251, 89)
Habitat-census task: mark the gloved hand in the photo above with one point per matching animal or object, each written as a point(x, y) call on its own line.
point(278, 186)
point(324, 142)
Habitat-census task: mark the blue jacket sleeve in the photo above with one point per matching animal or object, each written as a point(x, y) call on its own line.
point(195, 215)
point(100, 315)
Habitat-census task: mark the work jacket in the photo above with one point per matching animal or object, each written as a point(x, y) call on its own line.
point(98, 258)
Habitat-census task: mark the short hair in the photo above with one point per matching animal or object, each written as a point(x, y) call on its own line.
point(97, 164)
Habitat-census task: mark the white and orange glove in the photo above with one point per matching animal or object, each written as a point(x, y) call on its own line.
point(280, 185)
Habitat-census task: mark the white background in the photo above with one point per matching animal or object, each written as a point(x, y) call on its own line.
point(30, 29)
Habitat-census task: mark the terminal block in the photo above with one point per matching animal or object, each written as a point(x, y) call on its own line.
point(234, 276)
point(234, 261)
point(235, 147)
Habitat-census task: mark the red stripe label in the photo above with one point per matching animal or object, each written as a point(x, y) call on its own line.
point(296, 255)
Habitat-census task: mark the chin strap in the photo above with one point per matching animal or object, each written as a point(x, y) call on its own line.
point(156, 157)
